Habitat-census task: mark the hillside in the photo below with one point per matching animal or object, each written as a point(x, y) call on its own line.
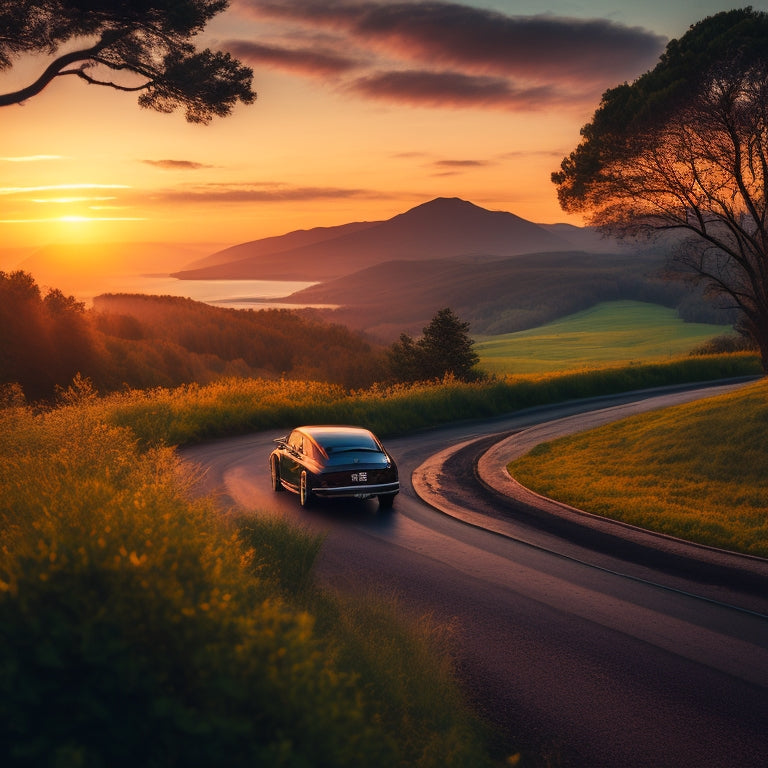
point(608, 333)
point(259, 249)
point(496, 297)
point(445, 228)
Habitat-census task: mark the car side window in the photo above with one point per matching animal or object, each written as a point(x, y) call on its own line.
point(310, 450)
point(295, 441)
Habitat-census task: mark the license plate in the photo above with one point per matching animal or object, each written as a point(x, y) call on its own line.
point(359, 477)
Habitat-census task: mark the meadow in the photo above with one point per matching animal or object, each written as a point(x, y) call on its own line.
point(606, 334)
point(696, 471)
point(144, 624)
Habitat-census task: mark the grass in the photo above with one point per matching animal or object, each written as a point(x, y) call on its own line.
point(192, 413)
point(696, 471)
point(606, 334)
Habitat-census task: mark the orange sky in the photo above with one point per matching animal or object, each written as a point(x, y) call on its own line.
point(364, 110)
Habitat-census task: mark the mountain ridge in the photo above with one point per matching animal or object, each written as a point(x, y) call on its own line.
point(441, 228)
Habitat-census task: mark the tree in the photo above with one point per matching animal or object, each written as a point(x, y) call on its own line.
point(141, 46)
point(684, 151)
point(445, 349)
point(44, 341)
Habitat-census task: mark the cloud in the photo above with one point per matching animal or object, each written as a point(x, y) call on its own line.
point(176, 165)
point(454, 167)
point(308, 61)
point(257, 192)
point(449, 89)
point(458, 164)
point(493, 59)
point(31, 158)
point(58, 188)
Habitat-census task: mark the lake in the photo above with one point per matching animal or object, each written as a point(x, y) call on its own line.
point(234, 294)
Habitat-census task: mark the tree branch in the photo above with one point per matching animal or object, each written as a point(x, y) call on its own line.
point(54, 69)
point(83, 75)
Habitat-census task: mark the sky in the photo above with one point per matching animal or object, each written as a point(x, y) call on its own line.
point(365, 109)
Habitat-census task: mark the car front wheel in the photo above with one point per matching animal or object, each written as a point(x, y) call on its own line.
point(305, 490)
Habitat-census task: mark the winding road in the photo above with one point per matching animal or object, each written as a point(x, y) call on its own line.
point(586, 641)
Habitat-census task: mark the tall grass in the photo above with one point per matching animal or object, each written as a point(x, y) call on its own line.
point(192, 413)
point(696, 471)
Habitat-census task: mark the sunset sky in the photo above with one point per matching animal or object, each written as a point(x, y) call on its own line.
point(365, 109)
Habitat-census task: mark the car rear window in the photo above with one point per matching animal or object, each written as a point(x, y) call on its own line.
point(345, 441)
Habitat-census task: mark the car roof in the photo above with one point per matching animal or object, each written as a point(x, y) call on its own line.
point(334, 437)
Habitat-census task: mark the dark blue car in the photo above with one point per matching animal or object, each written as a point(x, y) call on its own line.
point(334, 462)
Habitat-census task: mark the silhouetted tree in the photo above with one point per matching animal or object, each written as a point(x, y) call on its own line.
point(684, 149)
point(23, 335)
point(404, 358)
point(69, 337)
point(145, 44)
point(445, 348)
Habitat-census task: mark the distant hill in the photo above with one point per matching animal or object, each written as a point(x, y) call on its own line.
point(444, 228)
point(256, 249)
point(495, 297)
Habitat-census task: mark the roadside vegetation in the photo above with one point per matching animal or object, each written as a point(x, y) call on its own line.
point(696, 471)
point(192, 413)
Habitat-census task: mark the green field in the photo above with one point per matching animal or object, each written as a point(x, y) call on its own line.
point(611, 332)
point(696, 471)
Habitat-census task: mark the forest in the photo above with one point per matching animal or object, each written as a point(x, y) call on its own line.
point(140, 341)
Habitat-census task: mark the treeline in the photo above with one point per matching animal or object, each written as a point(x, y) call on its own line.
point(139, 341)
point(268, 342)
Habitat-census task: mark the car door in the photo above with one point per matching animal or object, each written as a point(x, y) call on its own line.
point(291, 465)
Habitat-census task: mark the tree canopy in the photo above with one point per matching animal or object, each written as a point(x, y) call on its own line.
point(445, 348)
point(141, 46)
point(684, 149)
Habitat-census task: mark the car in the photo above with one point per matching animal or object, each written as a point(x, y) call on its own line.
point(334, 462)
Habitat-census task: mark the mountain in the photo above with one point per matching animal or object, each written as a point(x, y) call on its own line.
point(444, 228)
point(498, 296)
point(256, 249)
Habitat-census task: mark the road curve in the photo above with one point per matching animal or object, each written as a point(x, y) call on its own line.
point(580, 647)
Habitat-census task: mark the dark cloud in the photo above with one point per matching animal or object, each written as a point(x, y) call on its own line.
point(176, 165)
point(304, 60)
point(450, 89)
point(481, 41)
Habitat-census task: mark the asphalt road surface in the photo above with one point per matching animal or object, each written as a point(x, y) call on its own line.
point(588, 642)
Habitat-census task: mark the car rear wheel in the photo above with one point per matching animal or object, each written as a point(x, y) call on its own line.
point(386, 500)
point(305, 490)
point(274, 467)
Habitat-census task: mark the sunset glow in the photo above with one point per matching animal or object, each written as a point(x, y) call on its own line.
point(364, 111)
